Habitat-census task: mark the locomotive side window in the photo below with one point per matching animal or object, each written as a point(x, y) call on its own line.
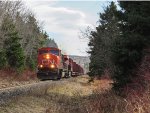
point(55, 52)
point(43, 52)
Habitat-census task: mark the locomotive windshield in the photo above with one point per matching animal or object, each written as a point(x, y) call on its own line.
point(43, 52)
point(55, 52)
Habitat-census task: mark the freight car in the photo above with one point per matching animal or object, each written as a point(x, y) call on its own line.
point(52, 64)
point(65, 65)
point(77, 69)
point(70, 67)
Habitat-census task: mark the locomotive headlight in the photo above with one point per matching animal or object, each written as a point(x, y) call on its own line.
point(41, 66)
point(52, 66)
point(47, 56)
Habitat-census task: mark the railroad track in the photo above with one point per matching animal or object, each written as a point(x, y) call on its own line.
point(8, 94)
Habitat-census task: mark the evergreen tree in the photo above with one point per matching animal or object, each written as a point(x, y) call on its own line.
point(14, 51)
point(31, 63)
point(127, 50)
point(102, 39)
point(3, 60)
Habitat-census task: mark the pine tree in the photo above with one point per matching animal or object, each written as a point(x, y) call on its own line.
point(3, 60)
point(128, 49)
point(102, 39)
point(13, 49)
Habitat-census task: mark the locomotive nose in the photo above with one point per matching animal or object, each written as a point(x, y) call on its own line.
point(49, 61)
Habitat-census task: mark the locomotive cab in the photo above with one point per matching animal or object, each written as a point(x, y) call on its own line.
point(49, 63)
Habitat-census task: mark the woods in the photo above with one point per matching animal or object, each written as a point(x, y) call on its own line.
point(118, 43)
point(118, 78)
point(20, 36)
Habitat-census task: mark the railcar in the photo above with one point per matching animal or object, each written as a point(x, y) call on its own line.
point(70, 67)
point(65, 66)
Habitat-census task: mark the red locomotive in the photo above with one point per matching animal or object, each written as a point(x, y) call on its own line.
point(54, 65)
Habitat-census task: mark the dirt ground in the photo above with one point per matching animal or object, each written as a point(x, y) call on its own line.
point(69, 98)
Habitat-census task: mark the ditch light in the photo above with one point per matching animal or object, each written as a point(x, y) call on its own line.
point(52, 66)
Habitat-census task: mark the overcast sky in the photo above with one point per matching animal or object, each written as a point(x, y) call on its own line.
point(63, 21)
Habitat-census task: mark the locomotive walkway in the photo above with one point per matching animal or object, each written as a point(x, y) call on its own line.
point(8, 94)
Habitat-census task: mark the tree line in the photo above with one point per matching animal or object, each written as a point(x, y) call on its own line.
point(117, 44)
point(20, 36)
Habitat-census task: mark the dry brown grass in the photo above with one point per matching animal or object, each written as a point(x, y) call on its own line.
point(9, 78)
point(10, 73)
point(137, 93)
point(79, 96)
point(26, 105)
point(78, 85)
point(109, 102)
point(68, 98)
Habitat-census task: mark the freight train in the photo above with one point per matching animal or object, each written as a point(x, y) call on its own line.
point(52, 64)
